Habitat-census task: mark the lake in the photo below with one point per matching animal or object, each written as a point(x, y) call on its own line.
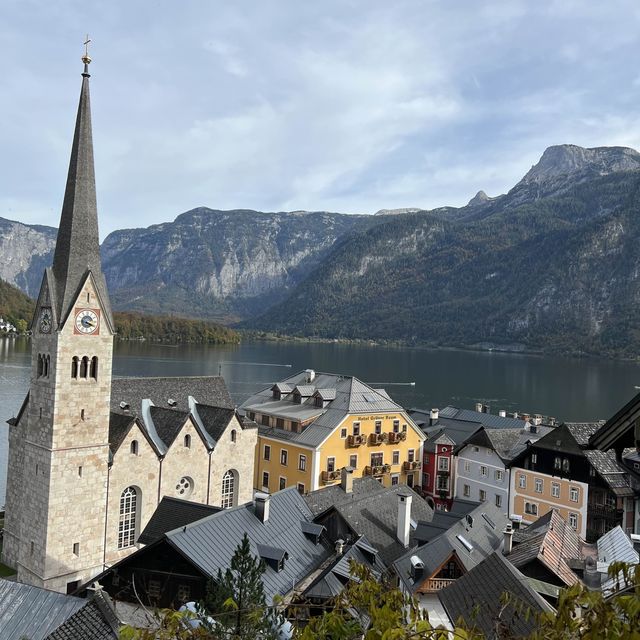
point(567, 388)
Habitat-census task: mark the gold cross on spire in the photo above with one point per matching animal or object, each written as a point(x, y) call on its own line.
point(86, 58)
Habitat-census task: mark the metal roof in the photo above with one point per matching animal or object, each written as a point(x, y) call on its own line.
point(615, 546)
point(31, 612)
point(211, 542)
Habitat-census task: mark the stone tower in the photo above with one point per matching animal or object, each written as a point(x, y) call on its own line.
point(58, 445)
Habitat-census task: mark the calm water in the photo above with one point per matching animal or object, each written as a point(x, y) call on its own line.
point(570, 389)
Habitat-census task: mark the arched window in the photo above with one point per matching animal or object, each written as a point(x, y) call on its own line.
point(40, 365)
point(94, 367)
point(47, 364)
point(127, 522)
point(74, 366)
point(134, 447)
point(229, 481)
point(187, 441)
point(233, 435)
point(84, 367)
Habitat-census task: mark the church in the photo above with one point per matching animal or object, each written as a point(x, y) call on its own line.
point(91, 456)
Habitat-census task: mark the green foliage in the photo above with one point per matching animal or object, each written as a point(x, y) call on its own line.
point(15, 306)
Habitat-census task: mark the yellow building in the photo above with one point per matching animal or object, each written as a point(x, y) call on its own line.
point(312, 425)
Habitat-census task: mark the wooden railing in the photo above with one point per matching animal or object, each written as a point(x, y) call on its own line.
point(436, 584)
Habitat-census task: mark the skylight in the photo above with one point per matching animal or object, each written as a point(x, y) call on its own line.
point(465, 543)
point(369, 397)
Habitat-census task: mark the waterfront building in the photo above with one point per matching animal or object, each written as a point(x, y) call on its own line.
point(592, 490)
point(91, 458)
point(311, 425)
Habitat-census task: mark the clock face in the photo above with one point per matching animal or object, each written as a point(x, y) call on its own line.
point(87, 321)
point(45, 320)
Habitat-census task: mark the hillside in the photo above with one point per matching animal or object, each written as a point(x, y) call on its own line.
point(17, 307)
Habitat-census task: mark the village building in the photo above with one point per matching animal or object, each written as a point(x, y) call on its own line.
point(311, 425)
point(591, 489)
point(90, 457)
point(482, 471)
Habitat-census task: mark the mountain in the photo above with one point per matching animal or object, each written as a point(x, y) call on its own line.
point(554, 264)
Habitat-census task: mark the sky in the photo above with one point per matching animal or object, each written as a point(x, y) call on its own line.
point(339, 105)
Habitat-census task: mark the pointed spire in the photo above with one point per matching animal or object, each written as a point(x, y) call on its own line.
point(77, 247)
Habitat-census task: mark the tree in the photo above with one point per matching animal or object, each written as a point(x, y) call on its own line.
point(235, 599)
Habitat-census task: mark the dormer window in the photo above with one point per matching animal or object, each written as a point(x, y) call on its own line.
point(273, 556)
point(297, 398)
point(319, 402)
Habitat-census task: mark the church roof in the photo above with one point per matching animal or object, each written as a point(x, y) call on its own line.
point(77, 250)
point(215, 419)
point(168, 423)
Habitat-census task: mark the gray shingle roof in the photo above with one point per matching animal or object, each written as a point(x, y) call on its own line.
point(77, 249)
point(485, 535)
point(168, 423)
point(215, 419)
point(351, 396)
point(476, 598)
point(614, 474)
point(211, 542)
point(171, 514)
point(371, 510)
point(30, 612)
point(119, 425)
point(582, 431)
point(95, 621)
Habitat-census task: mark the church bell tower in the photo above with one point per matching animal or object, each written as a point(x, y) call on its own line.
point(58, 445)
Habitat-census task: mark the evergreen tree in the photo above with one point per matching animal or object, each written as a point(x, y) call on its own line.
point(236, 600)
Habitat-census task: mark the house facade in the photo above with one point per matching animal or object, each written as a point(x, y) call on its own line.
point(312, 425)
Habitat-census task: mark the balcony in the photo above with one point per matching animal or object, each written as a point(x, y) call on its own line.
point(394, 437)
point(356, 441)
point(602, 511)
point(434, 585)
point(378, 438)
point(330, 476)
point(377, 470)
point(411, 466)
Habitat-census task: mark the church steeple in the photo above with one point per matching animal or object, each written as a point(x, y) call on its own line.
point(77, 248)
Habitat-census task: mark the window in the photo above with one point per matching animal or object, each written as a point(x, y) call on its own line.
point(404, 428)
point(184, 592)
point(466, 491)
point(555, 490)
point(498, 500)
point(267, 452)
point(395, 479)
point(79, 472)
point(378, 426)
point(534, 458)
point(331, 464)
point(522, 481)
point(410, 480)
point(252, 415)
point(483, 471)
point(187, 441)
point(565, 465)
point(284, 454)
point(282, 484)
point(538, 485)
point(300, 488)
point(482, 494)
point(265, 480)
point(81, 414)
point(264, 420)
point(573, 494)
point(94, 368)
point(184, 487)
point(531, 508)
point(154, 588)
point(343, 433)
point(443, 464)
point(234, 435)
point(442, 483)
point(395, 457)
point(84, 367)
point(356, 428)
point(476, 449)
point(228, 496)
point(557, 463)
point(467, 466)
point(426, 458)
point(426, 479)
point(396, 426)
point(353, 461)
point(75, 366)
point(76, 548)
point(302, 462)
point(134, 447)
point(411, 455)
point(128, 518)
point(573, 520)
point(498, 475)
point(377, 459)
point(279, 423)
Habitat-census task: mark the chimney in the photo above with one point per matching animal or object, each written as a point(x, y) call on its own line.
point(311, 375)
point(552, 421)
point(339, 546)
point(526, 417)
point(434, 415)
point(404, 518)
point(508, 539)
point(537, 419)
point(262, 506)
point(533, 427)
point(502, 413)
point(515, 415)
point(485, 408)
point(479, 407)
point(346, 479)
